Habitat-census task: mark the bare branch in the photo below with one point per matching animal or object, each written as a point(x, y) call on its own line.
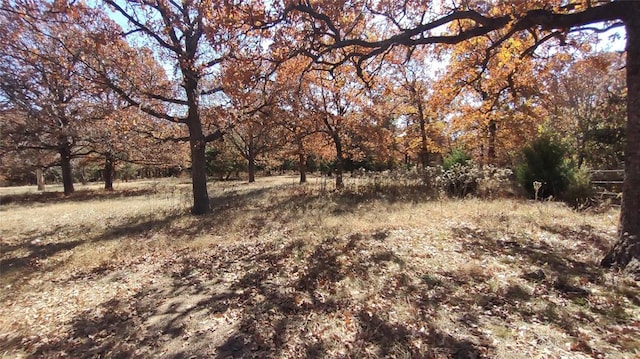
point(143, 28)
point(166, 99)
point(541, 19)
point(211, 91)
point(135, 103)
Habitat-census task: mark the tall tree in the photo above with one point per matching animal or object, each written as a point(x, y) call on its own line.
point(416, 102)
point(589, 115)
point(44, 82)
point(331, 41)
point(253, 136)
point(17, 164)
point(190, 37)
point(333, 101)
point(253, 96)
point(293, 114)
point(128, 136)
point(493, 101)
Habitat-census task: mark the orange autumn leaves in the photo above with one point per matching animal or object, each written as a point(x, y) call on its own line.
point(488, 99)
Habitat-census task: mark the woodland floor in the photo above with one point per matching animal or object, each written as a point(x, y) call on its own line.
point(281, 270)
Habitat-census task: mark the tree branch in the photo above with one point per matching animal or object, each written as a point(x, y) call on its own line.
point(545, 20)
point(132, 102)
point(211, 91)
point(143, 28)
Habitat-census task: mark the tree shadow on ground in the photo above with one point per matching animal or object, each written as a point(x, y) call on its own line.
point(288, 298)
point(558, 260)
point(555, 271)
point(315, 293)
point(584, 234)
point(263, 207)
point(111, 329)
point(31, 249)
point(295, 201)
point(77, 196)
point(18, 261)
point(269, 300)
point(237, 198)
point(36, 252)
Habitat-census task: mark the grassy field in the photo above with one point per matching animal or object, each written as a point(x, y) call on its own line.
point(287, 271)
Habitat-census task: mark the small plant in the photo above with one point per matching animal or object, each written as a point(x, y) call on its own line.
point(543, 161)
point(494, 181)
point(456, 157)
point(471, 179)
point(431, 176)
point(536, 187)
point(460, 180)
point(580, 192)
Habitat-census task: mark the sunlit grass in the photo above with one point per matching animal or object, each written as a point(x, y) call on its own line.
point(287, 270)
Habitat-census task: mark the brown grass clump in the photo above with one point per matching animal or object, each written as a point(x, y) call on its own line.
point(284, 270)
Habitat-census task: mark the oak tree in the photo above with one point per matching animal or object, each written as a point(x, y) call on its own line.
point(44, 81)
point(253, 96)
point(293, 115)
point(191, 38)
point(331, 41)
point(589, 115)
point(416, 102)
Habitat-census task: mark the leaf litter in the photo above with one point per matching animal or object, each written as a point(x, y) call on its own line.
point(377, 278)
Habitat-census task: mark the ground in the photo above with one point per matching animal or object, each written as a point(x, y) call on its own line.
point(282, 270)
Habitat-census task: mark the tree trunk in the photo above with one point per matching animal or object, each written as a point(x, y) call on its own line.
point(625, 254)
point(201, 203)
point(65, 163)
point(251, 168)
point(424, 150)
point(491, 150)
point(339, 162)
point(40, 179)
point(197, 142)
point(582, 149)
point(302, 163)
point(109, 171)
point(302, 167)
point(82, 175)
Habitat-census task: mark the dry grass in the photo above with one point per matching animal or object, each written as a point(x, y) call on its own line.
point(283, 270)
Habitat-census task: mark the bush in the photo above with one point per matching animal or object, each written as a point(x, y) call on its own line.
point(457, 156)
point(469, 179)
point(460, 179)
point(579, 193)
point(495, 182)
point(430, 176)
point(544, 162)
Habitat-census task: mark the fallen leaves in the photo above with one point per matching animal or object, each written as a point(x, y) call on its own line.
point(430, 287)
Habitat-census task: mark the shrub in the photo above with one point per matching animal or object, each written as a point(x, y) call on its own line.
point(460, 179)
point(494, 182)
point(431, 176)
point(469, 179)
point(579, 193)
point(544, 162)
point(457, 156)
